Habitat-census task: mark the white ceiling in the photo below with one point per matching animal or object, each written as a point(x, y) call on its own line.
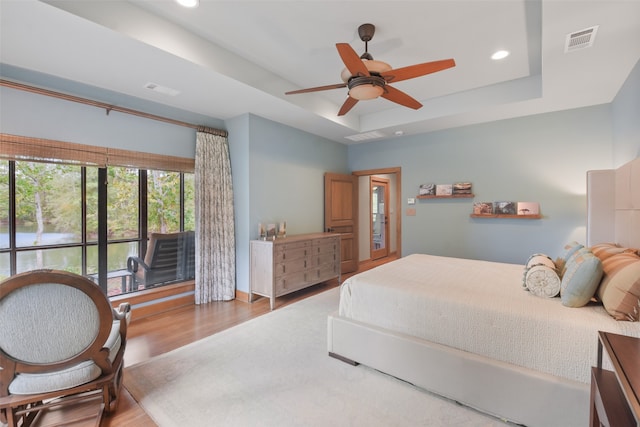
point(228, 58)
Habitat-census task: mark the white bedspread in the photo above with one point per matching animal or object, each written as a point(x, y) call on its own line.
point(480, 307)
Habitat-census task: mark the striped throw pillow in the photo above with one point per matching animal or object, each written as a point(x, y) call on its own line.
point(606, 250)
point(619, 290)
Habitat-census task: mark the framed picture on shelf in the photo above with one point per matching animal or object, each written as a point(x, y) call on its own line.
point(462, 188)
point(444, 189)
point(528, 208)
point(505, 208)
point(483, 208)
point(427, 190)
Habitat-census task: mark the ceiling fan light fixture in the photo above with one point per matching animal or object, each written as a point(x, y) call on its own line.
point(376, 66)
point(365, 92)
point(373, 66)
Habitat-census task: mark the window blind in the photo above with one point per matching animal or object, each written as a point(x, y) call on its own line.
point(14, 147)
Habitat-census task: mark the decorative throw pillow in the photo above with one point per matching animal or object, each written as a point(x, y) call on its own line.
point(543, 281)
point(569, 250)
point(620, 287)
point(536, 259)
point(606, 250)
point(581, 278)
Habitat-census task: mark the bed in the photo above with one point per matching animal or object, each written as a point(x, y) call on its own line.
point(467, 330)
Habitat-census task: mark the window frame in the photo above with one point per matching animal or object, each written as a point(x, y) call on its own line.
point(17, 148)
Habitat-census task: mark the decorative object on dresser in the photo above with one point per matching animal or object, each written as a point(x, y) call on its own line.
point(282, 266)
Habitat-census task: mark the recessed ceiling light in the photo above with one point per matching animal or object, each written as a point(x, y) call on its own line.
point(399, 133)
point(501, 54)
point(188, 3)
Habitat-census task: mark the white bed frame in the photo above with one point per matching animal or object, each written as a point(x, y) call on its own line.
point(510, 392)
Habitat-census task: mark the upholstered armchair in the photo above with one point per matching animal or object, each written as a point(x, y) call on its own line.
point(60, 341)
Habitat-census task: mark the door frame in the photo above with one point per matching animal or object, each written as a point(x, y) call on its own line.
point(398, 202)
point(384, 252)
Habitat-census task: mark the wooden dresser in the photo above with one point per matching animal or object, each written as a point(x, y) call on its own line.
point(288, 264)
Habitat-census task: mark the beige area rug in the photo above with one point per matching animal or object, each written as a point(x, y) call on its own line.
point(274, 371)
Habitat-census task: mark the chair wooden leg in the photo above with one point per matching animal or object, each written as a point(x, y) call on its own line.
point(115, 390)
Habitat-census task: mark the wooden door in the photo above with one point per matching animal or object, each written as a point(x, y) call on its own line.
point(379, 217)
point(341, 216)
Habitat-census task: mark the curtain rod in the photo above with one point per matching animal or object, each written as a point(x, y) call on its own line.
point(108, 107)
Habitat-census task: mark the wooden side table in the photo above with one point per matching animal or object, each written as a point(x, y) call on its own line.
point(615, 395)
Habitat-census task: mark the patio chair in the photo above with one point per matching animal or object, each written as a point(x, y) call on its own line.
point(61, 343)
point(170, 257)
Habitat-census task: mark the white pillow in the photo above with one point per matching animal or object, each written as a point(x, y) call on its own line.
point(543, 281)
point(536, 259)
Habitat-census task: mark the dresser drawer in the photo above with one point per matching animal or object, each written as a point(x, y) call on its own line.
point(282, 255)
point(291, 282)
point(328, 271)
point(325, 245)
point(326, 258)
point(291, 266)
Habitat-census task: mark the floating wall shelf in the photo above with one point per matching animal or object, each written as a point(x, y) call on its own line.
point(506, 216)
point(448, 196)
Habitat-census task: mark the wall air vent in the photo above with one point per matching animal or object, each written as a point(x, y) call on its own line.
point(580, 39)
point(161, 89)
point(366, 136)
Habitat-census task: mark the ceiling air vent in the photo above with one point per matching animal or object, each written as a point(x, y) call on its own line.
point(580, 39)
point(366, 136)
point(161, 89)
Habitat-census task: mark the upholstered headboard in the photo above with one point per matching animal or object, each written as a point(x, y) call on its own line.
point(613, 205)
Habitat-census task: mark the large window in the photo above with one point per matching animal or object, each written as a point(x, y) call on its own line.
point(52, 214)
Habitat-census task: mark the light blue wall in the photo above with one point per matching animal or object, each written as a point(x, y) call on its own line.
point(28, 114)
point(626, 119)
point(542, 158)
point(279, 177)
point(239, 140)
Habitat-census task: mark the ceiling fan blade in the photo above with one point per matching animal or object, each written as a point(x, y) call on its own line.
point(351, 60)
point(399, 97)
point(417, 70)
point(348, 105)
point(316, 89)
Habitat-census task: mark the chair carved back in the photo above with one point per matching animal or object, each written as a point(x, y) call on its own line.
point(51, 320)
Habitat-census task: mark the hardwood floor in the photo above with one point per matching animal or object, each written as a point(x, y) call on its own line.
point(161, 333)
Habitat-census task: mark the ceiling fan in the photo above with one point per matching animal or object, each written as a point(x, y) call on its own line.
point(367, 78)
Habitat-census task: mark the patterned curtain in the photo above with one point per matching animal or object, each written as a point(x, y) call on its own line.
point(215, 230)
